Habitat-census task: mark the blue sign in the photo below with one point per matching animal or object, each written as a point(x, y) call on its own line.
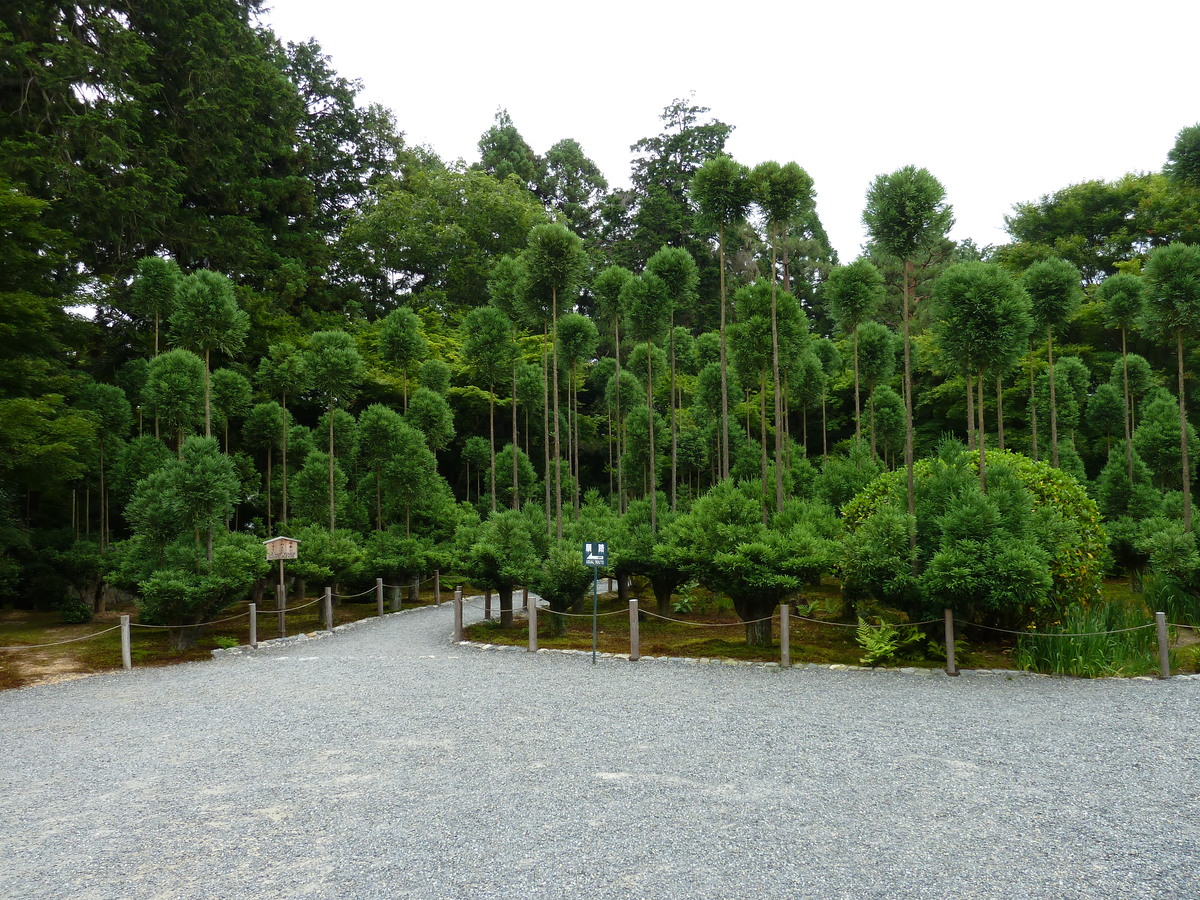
point(595, 554)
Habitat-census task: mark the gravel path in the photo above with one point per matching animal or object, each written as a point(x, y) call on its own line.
point(386, 761)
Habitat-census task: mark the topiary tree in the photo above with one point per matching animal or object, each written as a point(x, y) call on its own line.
point(1124, 297)
point(982, 320)
point(1055, 290)
point(676, 269)
point(402, 342)
point(336, 369)
point(206, 318)
point(500, 556)
point(724, 544)
point(562, 580)
point(1034, 519)
point(853, 295)
point(723, 191)
point(1173, 308)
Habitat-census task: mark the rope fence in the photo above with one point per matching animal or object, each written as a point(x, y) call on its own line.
point(786, 618)
point(86, 637)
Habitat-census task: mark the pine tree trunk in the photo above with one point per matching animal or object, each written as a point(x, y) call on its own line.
point(516, 497)
point(970, 383)
point(1053, 411)
point(762, 435)
point(652, 487)
point(908, 418)
point(982, 442)
point(775, 374)
point(557, 439)
point(1128, 417)
point(331, 503)
point(1032, 407)
point(1000, 411)
point(724, 376)
point(857, 406)
point(674, 439)
point(1183, 447)
point(283, 471)
point(492, 439)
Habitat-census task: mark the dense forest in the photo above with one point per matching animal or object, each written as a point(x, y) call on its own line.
point(235, 302)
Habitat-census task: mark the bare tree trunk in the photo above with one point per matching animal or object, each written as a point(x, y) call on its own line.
point(982, 449)
point(557, 439)
point(908, 417)
point(1128, 410)
point(492, 439)
point(1032, 407)
point(1183, 447)
point(516, 444)
point(652, 488)
point(775, 373)
point(724, 378)
point(1053, 411)
point(970, 383)
point(1000, 411)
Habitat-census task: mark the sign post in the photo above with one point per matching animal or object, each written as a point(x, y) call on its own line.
point(595, 555)
point(282, 548)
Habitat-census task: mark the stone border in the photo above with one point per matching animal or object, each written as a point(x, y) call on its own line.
point(1007, 674)
point(303, 637)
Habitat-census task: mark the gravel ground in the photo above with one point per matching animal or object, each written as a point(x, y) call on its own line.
point(386, 761)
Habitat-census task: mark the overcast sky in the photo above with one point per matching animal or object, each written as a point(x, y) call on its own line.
point(1002, 103)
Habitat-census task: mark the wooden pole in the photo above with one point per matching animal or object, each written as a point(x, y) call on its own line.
point(379, 597)
point(437, 577)
point(951, 666)
point(458, 625)
point(281, 604)
point(328, 609)
point(635, 636)
point(487, 604)
point(785, 645)
point(531, 606)
point(254, 625)
point(126, 656)
point(1164, 653)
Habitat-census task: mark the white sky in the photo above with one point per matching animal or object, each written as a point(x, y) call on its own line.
point(1001, 102)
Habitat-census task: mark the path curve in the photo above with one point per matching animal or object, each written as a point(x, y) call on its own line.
point(385, 761)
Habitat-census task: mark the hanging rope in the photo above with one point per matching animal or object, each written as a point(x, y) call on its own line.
point(86, 637)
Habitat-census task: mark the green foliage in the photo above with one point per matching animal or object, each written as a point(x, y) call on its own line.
point(906, 212)
point(175, 390)
point(1156, 441)
point(1091, 642)
point(883, 642)
point(842, 477)
point(327, 558)
point(1036, 525)
point(853, 293)
point(500, 553)
point(431, 414)
point(435, 375)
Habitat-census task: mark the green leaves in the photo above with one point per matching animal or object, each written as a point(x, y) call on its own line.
point(723, 190)
point(982, 316)
point(1055, 291)
point(906, 212)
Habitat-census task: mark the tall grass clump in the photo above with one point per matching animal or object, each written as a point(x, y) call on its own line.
point(1092, 642)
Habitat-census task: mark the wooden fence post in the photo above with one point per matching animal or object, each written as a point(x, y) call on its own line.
point(458, 628)
point(531, 606)
point(281, 605)
point(785, 635)
point(951, 665)
point(635, 635)
point(328, 609)
point(416, 590)
point(1164, 651)
point(437, 586)
point(254, 625)
point(487, 604)
point(126, 657)
point(379, 597)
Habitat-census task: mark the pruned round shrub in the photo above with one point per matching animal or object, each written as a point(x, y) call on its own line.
point(1019, 555)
